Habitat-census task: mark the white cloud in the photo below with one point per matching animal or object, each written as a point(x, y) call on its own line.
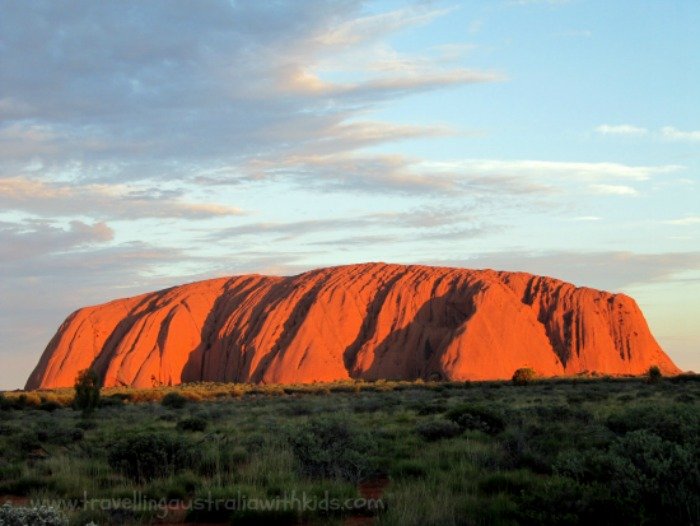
point(621, 129)
point(366, 172)
point(688, 220)
point(669, 132)
point(585, 218)
point(613, 189)
point(569, 170)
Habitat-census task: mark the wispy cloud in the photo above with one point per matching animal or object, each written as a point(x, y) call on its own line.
point(674, 134)
point(621, 129)
point(29, 239)
point(400, 226)
point(365, 172)
point(585, 218)
point(584, 171)
point(242, 81)
point(613, 189)
point(46, 198)
point(688, 220)
point(610, 270)
point(367, 28)
point(667, 132)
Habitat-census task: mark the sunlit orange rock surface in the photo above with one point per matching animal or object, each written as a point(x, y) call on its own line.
point(365, 321)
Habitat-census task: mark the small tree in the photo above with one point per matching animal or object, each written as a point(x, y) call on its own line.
point(87, 392)
point(524, 376)
point(654, 374)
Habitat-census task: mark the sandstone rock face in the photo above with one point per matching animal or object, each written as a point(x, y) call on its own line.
point(367, 321)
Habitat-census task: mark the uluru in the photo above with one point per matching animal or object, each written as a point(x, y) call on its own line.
point(367, 321)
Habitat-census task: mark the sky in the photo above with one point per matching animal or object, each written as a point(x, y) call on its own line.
point(148, 144)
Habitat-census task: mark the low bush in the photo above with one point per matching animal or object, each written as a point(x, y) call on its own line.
point(86, 425)
point(59, 436)
point(642, 474)
point(432, 407)
point(24, 442)
point(193, 423)
point(679, 424)
point(146, 456)
point(524, 376)
point(174, 400)
point(41, 516)
point(554, 413)
point(654, 374)
point(49, 405)
point(437, 429)
point(112, 401)
point(330, 448)
point(477, 417)
point(5, 403)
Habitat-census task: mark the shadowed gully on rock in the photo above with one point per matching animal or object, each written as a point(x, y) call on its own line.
point(366, 321)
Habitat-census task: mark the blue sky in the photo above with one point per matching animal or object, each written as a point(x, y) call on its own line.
point(149, 144)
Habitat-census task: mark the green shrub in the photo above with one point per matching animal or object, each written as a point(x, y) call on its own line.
point(477, 417)
point(664, 476)
point(59, 436)
point(112, 401)
point(49, 405)
point(330, 448)
point(146, 456)
point(174, 400)
point(5, 404)
point(86, 425)
point(87, 392)
point(25, 441)
point(438, 428)
point(524, 376)
point(647, 480)
point(679, 424)
point(370, 404)
point(193, 423)
point(555, 413)
point(432, 407)
point(686, 377)
point(44, 516)
point(654, 374)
